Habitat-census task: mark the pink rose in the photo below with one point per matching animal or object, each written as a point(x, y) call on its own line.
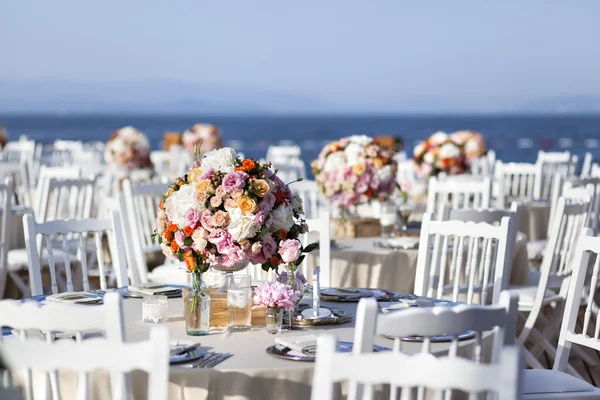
point(230, 204)
point(218, 235)
point(221, 191)
point(192, 217)
point(206, 220)
point(259, 218)
point(215, 201)
point(237, 193)
point(235, 181)
point(290, 250)
point(179, 238)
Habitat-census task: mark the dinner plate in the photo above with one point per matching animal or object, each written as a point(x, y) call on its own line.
point(125, 292)
point(75, 298)
point(353, 295)
point(287, 354)
point(188, 356)
point(436, 339)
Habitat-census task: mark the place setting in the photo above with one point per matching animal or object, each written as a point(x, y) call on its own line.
point(149, 289)
point(187, 354)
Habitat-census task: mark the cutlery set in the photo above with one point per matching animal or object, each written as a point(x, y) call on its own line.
point(209, 360)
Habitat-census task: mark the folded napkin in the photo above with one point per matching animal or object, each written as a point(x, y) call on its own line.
point(152, 288)
point(402, 304)
point(297, 343)
point(74, 297)
point(404, 242)
point(347, 292)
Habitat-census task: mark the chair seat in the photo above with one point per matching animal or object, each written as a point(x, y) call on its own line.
point(170, 274)
point(554, 282)
point(527, 296)
point(17, 258)
point(549, 384)
point(536, 248)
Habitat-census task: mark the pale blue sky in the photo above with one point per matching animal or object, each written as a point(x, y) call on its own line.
point(375, 54)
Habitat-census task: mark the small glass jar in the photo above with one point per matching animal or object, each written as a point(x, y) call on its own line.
point(197, 308)
point(274, 320)
point(155, 309)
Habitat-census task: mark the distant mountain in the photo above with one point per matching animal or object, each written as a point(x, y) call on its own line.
point(141, 97)
point(58, 97)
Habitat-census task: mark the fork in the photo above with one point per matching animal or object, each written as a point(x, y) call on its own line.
point(202, 363)
point(222, 357)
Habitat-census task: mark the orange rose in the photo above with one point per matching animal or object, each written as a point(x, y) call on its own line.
point(168, 235)
point(261, 187)
point(248, 164)
point(188, 230)
point(170, 191)
point(359, 168)
point(377, 162)
point(174, 245)
point(247, 204)
point(161, 205)
point(190, 262)
point(205, 186)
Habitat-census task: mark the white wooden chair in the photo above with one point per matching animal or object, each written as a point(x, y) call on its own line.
point(555, 271)
point(68, 198)
point(500, 380)
point(18, 173)
point(6, 194)
point(22, 151)
point(461, 193)
point(151, 356)
point(592, 186)
point(550, 165)
point(515, 182)
point(57, 231)
point(45, 174)
point(556, 383)
point(173, 163)
point(483, 166)
point(586, 168)
point(31, 321)
point(311, 198)
point(464, 259)
point(139, 203)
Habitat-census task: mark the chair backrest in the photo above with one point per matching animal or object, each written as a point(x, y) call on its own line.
point(22, 151)
point(65, 199)
point(516, 182)
point(592, 187)
point(461, 193)
point(46, 173)
point(586, 168)
point(17, 172)
point(552, 164)
point(503, 379)
point(88, 356)
point(311, 198)
point(405, 171)
point(139, 203)
point(585, 276)
point(479, 260)
point(283, 153)
point(78, 231)
point(6, 194)
point(500, 318)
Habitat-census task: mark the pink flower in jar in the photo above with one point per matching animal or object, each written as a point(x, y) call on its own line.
point(290, 250)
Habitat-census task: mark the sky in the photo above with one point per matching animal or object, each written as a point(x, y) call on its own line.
point(346, 54)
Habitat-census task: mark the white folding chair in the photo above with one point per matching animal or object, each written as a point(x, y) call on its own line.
point(500, 380)
point(550, 165)
point(62, 231)
point(557, 383)
point(555, 271)
point(139, 203)
point(311, 198)
point(31, 321)
point(586, 168)
point(45, 174)
point(68, 198)
point(479, 264)
point(6, 194)
point(515, 182)
point(151, 356)
point(461, 193)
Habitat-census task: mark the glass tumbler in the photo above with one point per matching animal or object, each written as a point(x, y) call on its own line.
point(387, 218)
point(155, 309)
point(239, 302)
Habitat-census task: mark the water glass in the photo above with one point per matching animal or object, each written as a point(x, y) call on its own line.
point(387, 218)
point(274, 320)
point(239, 302)
point(155, 309)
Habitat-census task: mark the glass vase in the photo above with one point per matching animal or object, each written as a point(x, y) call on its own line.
point(274, 320)
point(197, 308)
point(298, 288)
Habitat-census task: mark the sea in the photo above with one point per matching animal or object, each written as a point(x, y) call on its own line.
point(515, 138)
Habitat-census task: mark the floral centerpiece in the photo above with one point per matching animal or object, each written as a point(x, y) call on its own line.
point(472, 144)
point(202, 138)
point(128, 149)
point(226, 210)
point(354, 170)
point(275, 297)
point(439, 153)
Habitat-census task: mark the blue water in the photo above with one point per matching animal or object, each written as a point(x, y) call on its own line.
point(252, 135)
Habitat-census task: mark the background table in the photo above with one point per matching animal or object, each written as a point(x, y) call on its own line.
point(358, 263)
point(534, 220)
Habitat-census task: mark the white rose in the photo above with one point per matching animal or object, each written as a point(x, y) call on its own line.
point(361, 140)
point(385, 174)
point(129, 133)
point(429, 158)
point(353, 152)
point(256, 247)
point(222, 160)
point(242, 226)
point(297, 204)
point(449, 150)
point(334, 162)
point(179, 203)
point(200, 243)
point(419, 149)
point(439, 137)
point(282, 218)
point(167, 250)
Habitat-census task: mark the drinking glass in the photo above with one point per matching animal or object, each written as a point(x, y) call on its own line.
point(387, 218)
point(404, 211)
point(155, 309)
point(239, 302)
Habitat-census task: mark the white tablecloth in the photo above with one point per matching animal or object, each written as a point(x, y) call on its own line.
point(250, 374)
point(358, 263)
point(534, 220)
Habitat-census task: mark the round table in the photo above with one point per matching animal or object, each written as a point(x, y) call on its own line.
point(359, 263)
point(249, 374)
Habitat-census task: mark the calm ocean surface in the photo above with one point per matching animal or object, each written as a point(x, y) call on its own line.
point(514, 138)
